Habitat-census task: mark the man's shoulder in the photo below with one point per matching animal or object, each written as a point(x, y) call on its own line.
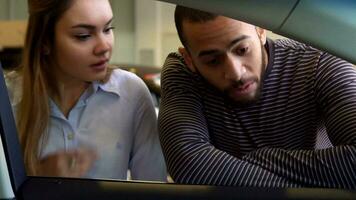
point(175, 63)
point(292, 45)
point(175, 69)
point(176, 74)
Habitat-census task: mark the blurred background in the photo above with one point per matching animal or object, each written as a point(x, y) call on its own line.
point(144, 35)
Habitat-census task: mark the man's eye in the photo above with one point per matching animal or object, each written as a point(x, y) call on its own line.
point(213, 62)
point(82, 37)
point(242, 51)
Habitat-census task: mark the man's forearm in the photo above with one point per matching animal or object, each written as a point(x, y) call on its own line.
point(332, 167)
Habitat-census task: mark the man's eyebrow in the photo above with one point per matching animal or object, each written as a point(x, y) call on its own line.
point(237, 40)
point(88, 26)
point(232, 43)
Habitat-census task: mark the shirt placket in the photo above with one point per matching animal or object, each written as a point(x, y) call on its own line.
point(69, 134)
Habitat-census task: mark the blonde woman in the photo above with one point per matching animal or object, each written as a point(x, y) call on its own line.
point(77, 117)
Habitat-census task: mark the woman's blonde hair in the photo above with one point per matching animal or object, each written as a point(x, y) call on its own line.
point(33, 110)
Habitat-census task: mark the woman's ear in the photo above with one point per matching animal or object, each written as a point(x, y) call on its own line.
point(261, 34)
point(187, 58)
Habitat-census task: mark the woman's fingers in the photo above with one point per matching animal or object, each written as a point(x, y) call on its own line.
point(73, 163)
point(80, 161)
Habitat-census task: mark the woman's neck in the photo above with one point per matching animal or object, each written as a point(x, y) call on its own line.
point(68, 95)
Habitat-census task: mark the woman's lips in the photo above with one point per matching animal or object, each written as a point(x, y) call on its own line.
point(100, 65)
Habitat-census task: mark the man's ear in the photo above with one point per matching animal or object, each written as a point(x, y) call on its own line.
point(261, 34)
point(187, 58)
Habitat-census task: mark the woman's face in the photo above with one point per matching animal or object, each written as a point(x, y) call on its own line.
point(83, 41)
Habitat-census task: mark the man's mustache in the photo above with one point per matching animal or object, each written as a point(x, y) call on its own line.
point(236, 84)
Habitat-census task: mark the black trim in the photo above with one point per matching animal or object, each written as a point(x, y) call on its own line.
point(10, 139)
point(289, 14)
point(61, 188)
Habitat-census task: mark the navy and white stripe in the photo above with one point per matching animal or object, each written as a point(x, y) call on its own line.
point(307, 94)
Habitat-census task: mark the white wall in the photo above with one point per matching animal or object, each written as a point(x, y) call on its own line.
point(170, 40)
point(155, 32)
point(4, 9)
point(124, 22)
point(13, 9)
point(148, 27)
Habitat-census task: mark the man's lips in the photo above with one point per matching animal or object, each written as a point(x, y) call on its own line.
point(245, 88)
point(245, 85)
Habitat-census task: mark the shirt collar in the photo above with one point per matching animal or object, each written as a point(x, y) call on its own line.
point(270, 54)
point(110, 86)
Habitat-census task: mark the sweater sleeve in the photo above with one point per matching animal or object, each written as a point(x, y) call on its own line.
point(335, 167)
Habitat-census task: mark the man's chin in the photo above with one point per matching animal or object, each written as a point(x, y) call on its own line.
point(244, 100)
point(250, 94)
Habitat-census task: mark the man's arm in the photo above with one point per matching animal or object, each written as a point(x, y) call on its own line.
point(190, 156)
point(335, 94)
point(192, 159)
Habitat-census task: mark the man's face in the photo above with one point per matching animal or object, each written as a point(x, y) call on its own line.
point(229, 54)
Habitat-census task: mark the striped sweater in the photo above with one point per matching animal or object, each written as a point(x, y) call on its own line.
point(308, 99)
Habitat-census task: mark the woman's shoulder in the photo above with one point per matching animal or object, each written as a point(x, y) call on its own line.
point(119, 73)
point(126, 81)
point(123, 76)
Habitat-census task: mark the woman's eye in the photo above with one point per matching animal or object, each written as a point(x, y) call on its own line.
point(82, 37)
point(109, 29)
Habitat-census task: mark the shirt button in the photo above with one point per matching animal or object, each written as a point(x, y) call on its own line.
point(70, 136)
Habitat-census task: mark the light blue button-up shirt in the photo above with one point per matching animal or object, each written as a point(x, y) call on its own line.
point(116, 119)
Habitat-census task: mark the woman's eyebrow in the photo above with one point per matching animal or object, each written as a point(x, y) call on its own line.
point(88, 26)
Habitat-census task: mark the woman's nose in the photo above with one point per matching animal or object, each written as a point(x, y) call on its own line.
point(104, 44)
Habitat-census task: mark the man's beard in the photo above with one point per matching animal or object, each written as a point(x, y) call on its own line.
point(245, 101)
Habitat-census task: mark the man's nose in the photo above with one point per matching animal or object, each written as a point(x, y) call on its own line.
point(234, 69)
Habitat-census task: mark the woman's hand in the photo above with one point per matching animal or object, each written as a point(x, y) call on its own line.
point(72, 163)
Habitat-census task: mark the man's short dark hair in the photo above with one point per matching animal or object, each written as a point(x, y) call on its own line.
point(192, 15)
